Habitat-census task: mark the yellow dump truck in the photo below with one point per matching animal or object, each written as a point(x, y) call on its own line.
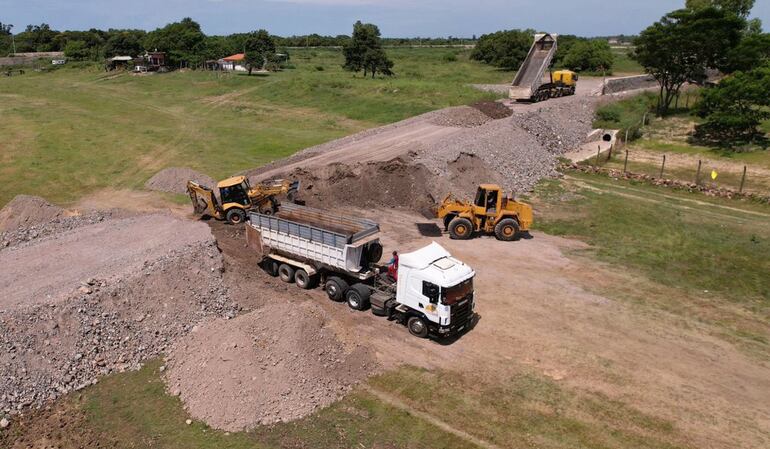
point(237, 196)
point(491, 213)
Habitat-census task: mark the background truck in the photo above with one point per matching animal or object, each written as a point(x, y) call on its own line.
point(432, 296)
point(528, 84)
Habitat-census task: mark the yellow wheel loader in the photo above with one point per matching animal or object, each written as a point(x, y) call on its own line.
point(237, 196)
point(491, 213)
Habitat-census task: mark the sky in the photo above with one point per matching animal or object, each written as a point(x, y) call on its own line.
point(396, 18)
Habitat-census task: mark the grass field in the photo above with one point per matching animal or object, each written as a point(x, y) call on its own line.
point(623, 64)
point(132, 410)
point(74, 131)
point(710, 252)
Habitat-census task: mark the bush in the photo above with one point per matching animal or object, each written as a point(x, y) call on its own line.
point(449, 57)
point(589, 56)
point(626, 114)
point(319, 68)
point(504, 49)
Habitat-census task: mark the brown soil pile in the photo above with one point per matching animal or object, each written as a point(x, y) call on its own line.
point(395, 183)
point(174, 180)
point(493, 109)
point(278, 363)
point(26, 211)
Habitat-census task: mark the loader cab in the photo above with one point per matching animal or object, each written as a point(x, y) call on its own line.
point(488, 198)
point(235, 190)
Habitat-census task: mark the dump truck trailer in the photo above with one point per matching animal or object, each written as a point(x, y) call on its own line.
point(528, 84)
point(433, 293)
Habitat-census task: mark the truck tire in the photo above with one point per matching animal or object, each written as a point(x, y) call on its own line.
point(417, 326)
point(304, 280)
point(460, 229)
point(335, 288)
point(506, 229)
point(357, 297)
point(235, 216)
point(374, 252)
point(286, 273)
point(271, 267)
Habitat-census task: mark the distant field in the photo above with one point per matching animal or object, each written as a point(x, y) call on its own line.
point(75, 131)
point(623, 62)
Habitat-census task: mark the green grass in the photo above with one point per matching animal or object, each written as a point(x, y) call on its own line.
point(700, 257)
point(626, 114)
point(623, 63)
point(74, 131)
point(132, 410)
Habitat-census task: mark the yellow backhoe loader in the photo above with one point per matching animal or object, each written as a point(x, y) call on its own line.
point(237, 196)
point(491, 213)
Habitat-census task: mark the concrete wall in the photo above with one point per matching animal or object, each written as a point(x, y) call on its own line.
point(622, 84)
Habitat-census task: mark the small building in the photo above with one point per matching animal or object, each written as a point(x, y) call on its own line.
point(119, 62)
point(236, 63)
point(155, 60)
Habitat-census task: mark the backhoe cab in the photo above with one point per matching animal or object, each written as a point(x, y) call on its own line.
point(491, 213)
point(237, 196)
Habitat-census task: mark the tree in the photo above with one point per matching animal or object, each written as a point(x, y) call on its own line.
point(364, 51)
point(124, 43)
point(259, 48)
point(504, 49)
point(182, 41)
point(682, 45)
point(589, 56)
point(77, 50)
point(740, 8)
point(735, 107)
point(753, 51)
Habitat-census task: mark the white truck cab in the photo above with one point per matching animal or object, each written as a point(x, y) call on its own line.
point(437, 288)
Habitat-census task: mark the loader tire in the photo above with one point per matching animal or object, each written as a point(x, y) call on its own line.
point(303, 279)
point(286, 273)
point(235, 216)
point(357, 297)
point(335, 288)
point(460, 229)
point(507, 230)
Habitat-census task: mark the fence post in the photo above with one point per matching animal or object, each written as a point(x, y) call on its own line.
point(625, 141)
point(697, 174)
point(743, 180)
point(609, 155)
point(625, 164)
point(644, 119)
point(662, 166)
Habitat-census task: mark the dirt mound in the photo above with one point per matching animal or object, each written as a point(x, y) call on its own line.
point(493, 109)
point(113, 294)
point(459, 117)
point(278, 363)
point(395, 183)
point(26, 211)
point(174, 180)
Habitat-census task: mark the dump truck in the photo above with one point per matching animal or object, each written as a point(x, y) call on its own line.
point(528, 84)
point(491, 212)
point(237, 196)
point(432, 294)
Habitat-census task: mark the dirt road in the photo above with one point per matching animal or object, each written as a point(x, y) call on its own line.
point(50, 269)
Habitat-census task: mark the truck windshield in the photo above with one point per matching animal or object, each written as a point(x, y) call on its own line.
point(457, 293)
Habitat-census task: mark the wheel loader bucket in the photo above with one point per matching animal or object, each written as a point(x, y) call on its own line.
point(203, 200)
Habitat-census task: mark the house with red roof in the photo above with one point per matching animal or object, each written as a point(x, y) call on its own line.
point(236, 62)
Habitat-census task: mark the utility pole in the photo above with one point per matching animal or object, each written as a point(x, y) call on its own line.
point(13, 40)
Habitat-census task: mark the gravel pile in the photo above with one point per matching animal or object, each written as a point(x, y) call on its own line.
point(174, 180)
point(460, 117)
point(26, 235)
point(26, 210)
point(278, 363)
point(65, 321)
point(559, 127)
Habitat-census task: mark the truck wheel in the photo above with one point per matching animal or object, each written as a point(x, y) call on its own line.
point(417, 327)
point(286, 272)
point(271, 267)
point(335, 288)
point(304, 280)
point(460, 229)
point(506, 229)
point(235, 216)
point(357, 297)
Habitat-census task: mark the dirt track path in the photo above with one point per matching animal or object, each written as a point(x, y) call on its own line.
point(54, 267)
